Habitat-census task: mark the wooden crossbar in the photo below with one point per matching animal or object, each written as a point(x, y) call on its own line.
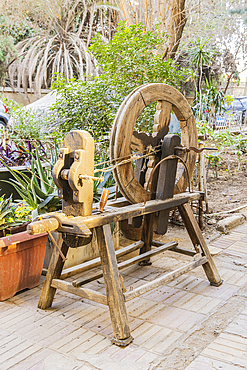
point(82, 292)
point(85, 266)
point(127, 263)
point(187, 252)
point(164, 279)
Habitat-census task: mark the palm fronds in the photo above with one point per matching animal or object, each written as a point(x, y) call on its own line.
point(61, 45)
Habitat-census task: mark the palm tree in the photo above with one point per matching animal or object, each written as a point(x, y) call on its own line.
point(200, 55)
point(61, 43)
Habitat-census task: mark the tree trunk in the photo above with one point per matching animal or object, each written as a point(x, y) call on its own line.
point(173, 20)
point(170, 14)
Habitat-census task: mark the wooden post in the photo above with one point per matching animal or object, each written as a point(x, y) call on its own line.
point(202, 181)
point(113, 287)
point(166, 180)
point(198, 240)
point(147, 237)
point(54, 272)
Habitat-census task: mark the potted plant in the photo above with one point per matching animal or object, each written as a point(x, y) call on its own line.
point(18, 158)
point(21, 255)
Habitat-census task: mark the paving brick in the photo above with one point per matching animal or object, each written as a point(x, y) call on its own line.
point(38, 328)
point(98, 347)
point(147, 358)
point(111, 350)
point(185, 282)
point(206, 363)
point(75, 342)
point(160, 294)
point(9, 352)
point(28, 321)
point(175, 297)
point(11, 344)
point(223, 354)
point(166, 342)
point(62, 341)
point(152, 311)
point(23, 354)
point(199, 288)
point(234, 235)
point(239, 247)
point(185, 298)
point(6, 339)
point(146, 336)
point(201, 304)
point(33, 359)
point(88, 343)
point(156, 338)
point(141, 329)
point(123, 352)
point(135, 355)
point(224, 291)
point(221, 243)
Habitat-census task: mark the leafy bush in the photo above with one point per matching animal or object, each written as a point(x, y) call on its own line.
point(13, 214)
point(7, 50)
point(129, 60)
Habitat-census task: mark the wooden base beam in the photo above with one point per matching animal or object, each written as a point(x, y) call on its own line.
point(85, 266)
point(187, 252)
point(164, 279)
point(84, 293)
point(127, 263)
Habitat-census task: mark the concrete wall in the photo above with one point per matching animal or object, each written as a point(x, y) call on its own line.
point(22, 98)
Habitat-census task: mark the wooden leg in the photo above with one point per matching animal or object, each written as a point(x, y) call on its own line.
point(147, 237)
point(115, 297)
point(53, 272)
point(198, 240)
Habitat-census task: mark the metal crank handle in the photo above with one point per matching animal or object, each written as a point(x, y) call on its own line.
point(187, 149)
point(43, 226)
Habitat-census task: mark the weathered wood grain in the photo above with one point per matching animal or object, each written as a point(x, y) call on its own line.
point(85, 266)
point(81, 292)
point(113, 285)
point(164, 279)
point(198, 240)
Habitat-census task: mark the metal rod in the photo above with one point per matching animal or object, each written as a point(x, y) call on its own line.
point(57, 246)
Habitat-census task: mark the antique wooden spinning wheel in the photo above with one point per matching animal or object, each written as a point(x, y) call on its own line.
point(125, 141)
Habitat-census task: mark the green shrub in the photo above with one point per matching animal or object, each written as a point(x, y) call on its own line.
point(129, 60)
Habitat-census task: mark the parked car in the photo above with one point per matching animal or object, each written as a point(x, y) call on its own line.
point(238, 108)
point(234, 112)
point(4, 117)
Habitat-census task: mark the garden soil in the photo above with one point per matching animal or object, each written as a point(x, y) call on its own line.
point(226, 191)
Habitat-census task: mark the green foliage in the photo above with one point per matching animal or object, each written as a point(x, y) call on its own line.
point(214, 160)
point(38, 191)
point(28, 125)
point(209, 102)
point(200, 54)
point(17, 29)
point(12, 214)
point(129, 60)
point(132, 57)
point(108, 182)
point(7, 50)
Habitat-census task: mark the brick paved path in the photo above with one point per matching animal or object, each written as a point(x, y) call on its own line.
point(186, 324)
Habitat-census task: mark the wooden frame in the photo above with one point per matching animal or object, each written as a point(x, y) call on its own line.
point(115, 298)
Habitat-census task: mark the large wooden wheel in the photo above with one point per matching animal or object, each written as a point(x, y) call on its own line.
point(125, 141)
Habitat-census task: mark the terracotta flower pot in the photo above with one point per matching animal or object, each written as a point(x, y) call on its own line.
point(21, 261)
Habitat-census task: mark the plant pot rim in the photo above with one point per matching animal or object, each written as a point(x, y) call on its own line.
point(10, 244)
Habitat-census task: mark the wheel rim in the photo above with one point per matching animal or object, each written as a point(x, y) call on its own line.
point(123, 126)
